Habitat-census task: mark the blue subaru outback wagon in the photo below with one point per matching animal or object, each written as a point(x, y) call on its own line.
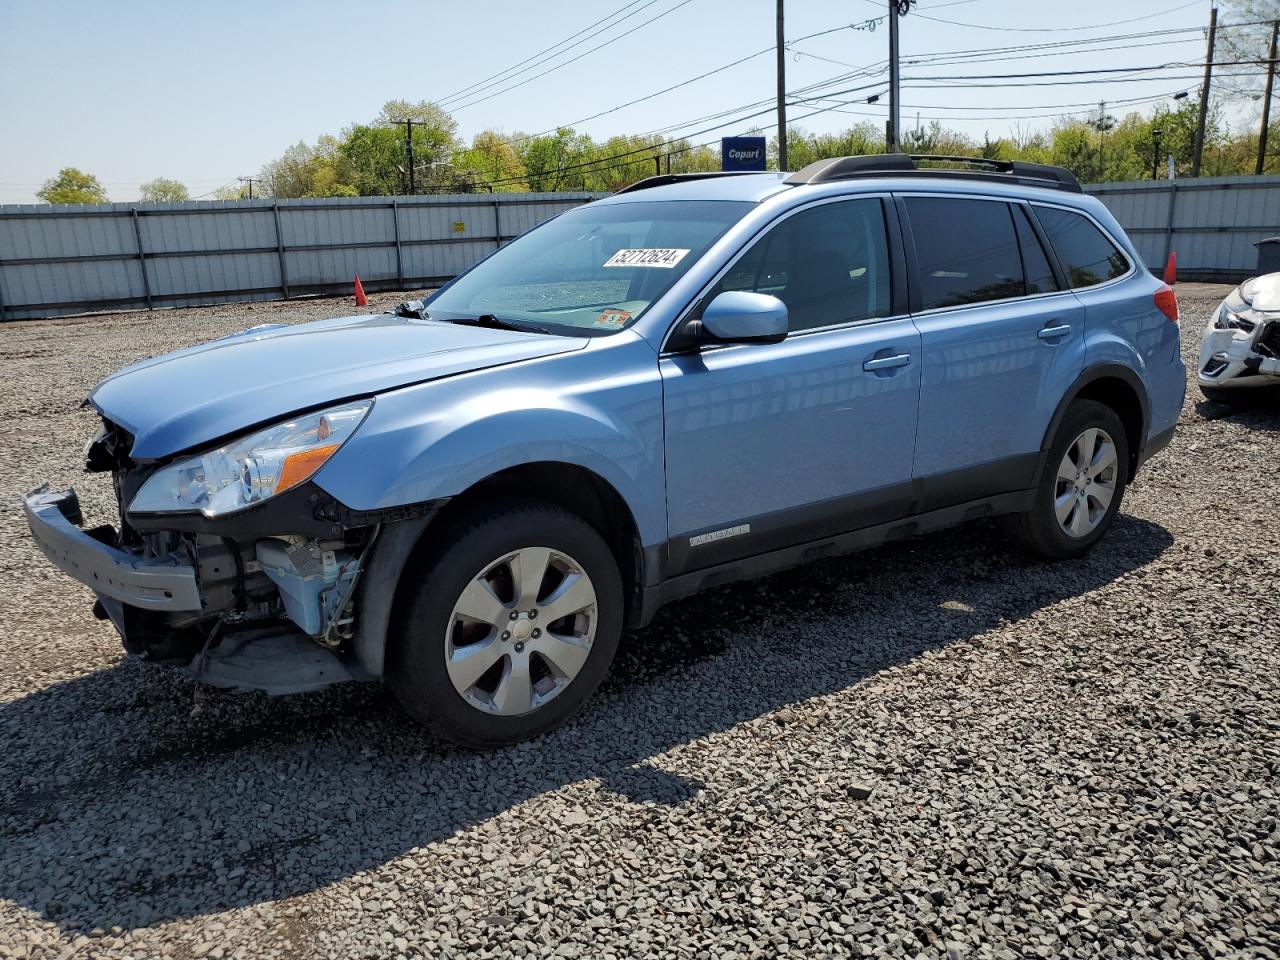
point(699, 379)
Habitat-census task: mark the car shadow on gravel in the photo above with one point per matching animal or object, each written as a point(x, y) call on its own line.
point(127, 800)
point(1261, 415)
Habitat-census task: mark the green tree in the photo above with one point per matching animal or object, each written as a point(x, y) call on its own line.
point(72, 186)
point(1178, 133)
point(937, 140)
point(294, 173)
point(375, 158)
point(686, 158)
point(162, 190)
point(1034, 146)
point(370, 159)
point(804, 148)
point(237, 191)
point(998, 149)
point(493, 158)
point(434, 143)
point(1248, 43)
point(554, 162)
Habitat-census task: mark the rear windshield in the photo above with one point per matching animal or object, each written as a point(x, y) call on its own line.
point(593, 270)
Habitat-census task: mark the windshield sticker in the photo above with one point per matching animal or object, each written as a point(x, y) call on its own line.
point(613, 318)
point(647, 257)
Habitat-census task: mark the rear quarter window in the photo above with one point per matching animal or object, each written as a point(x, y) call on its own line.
point(1086, 253)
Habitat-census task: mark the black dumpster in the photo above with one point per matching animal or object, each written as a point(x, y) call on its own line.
point(1268, 255)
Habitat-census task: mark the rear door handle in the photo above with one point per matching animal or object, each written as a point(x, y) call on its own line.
point(1054, 332)
point(888, 363)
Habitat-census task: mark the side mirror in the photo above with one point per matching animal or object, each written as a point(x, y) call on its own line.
point(737, 316)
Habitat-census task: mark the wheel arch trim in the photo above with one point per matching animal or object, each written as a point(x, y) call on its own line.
point(1093, 375)
point(379, 593)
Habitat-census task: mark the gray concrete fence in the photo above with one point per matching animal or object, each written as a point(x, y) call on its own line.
point(57, 260)
point(66, 259)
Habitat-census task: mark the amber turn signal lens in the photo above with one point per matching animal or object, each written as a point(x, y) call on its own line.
point(299, 466)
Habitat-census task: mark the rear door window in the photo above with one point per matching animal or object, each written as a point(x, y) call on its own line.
point(1086, 253)
point(1035, 265)
point(966, 251)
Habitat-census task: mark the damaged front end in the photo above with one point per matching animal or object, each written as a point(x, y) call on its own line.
point(236, 564)
point(1241, 344)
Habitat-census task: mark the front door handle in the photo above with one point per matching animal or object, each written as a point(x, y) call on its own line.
point(1054, 332)
point(888, 363)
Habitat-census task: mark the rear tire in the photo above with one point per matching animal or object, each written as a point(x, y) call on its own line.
point(1081, 486)
point(512, 624)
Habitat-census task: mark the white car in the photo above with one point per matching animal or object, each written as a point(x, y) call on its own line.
point(1240, 351)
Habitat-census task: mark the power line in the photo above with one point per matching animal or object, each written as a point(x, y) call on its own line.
point(216, 189)
point(1094, 26)
point(656, 93)
point(851, 26)
point(1054, 49)
point(616, 160)
point(1088, 109)
point(502, 74)
point(1062, 83)
point(1036, 106)
point(1174, 65)
point(586, 53)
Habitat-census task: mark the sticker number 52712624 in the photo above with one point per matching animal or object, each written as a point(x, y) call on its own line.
point(647, 257)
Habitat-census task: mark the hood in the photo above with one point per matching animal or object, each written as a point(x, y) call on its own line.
point(1262, 293)
point(187, 399)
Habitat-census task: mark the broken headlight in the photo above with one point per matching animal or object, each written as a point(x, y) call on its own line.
point(253, 468)
point(1234, 319)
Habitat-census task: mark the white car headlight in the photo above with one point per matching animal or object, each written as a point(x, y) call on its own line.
point(1229, 319)
point(252, 468)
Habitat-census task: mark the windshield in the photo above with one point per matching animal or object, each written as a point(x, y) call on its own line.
point(593, 270)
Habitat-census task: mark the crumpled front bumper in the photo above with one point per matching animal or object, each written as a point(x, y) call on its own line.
point(1231, 358)
point(146, 583)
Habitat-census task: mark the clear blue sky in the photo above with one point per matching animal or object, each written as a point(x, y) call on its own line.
point(202, 93)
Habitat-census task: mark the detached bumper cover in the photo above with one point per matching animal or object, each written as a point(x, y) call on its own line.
point(146, 583)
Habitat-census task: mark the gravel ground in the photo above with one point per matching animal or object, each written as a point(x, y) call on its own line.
point(933, 749)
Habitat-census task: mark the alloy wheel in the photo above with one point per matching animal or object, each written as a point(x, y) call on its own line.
point(521, 631)
point(1086, 482)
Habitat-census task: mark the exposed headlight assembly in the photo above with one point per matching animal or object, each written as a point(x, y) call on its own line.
point(252, 468)
point(1235, 319)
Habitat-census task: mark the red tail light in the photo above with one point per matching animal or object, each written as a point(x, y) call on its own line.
point(1167, 301)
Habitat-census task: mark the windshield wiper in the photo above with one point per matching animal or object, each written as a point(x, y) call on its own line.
point(499, 323)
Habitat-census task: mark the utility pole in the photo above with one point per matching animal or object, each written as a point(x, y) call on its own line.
point(782, 92)
point(250, 181)
point(408, 150)
point(1102, 141)
point(895, 101)
point(1155, 154)
point(1198, 152)
point(1266, 100)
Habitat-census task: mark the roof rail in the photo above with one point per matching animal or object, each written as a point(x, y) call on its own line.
point(849, 168)
point(664, 179)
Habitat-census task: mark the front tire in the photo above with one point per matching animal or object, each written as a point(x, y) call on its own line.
point(512, 624)
point(1082, 485)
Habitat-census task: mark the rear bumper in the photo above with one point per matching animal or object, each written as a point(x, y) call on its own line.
point(149, 584)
